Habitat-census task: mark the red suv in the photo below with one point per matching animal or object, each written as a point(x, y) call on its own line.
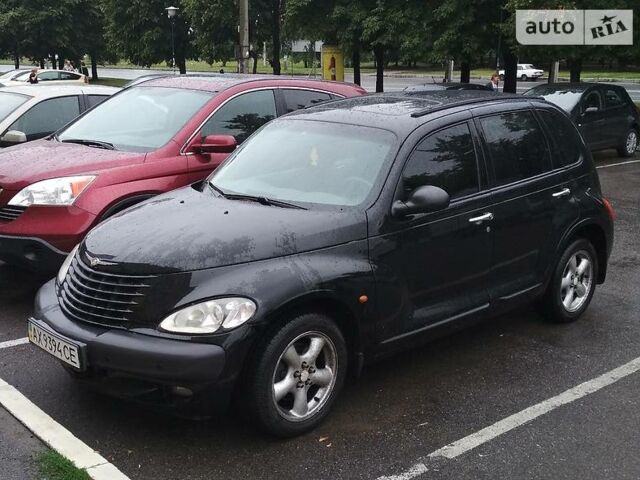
point(145, 140)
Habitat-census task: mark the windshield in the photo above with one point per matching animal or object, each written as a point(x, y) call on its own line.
point(11, 73)
point(309, 162)
point(565, 98)
point(9, 102)
point(140, 119)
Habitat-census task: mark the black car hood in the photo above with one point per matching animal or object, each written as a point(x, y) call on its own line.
point(187, 230)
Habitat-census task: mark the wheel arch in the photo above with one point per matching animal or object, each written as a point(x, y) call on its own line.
point(596, 235)
point(126, 202)
point(325, 302)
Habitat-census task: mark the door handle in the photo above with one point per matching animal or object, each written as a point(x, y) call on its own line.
point(482, 218)
point(562, 193)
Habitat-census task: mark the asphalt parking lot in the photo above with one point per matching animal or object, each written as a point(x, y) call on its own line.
point(401, 410)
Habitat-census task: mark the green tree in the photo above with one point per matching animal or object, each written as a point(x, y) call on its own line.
point(140, 31)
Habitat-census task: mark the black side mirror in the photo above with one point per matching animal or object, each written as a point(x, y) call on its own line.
point(423, 199)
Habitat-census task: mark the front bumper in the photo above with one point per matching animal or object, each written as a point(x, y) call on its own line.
point(128, 364)
point(30, 252)
point(40, 237)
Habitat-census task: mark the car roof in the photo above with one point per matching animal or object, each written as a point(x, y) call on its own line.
point(50, 91)
point(406, 108)
point(574, 86)
point(221, 81)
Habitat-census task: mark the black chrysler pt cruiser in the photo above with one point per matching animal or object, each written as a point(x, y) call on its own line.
point(334, 236)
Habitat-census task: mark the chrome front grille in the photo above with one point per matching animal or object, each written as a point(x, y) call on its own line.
point(11, 212)
point(101, 298)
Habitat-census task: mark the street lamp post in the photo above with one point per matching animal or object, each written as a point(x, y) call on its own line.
point(171, 14)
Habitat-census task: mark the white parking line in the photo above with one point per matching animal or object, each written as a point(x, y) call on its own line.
point(13, 343)
point(56, 436)
point(516, 420)
point(619, 163)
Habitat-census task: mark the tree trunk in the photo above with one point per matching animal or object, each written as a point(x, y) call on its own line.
point(16, 57)
point(182, 64)
point(94, 67)
point(465, 72)
point(42, 63)
point(378, 52)
point(275, 36)
point(510, 72)
point(254, 56)
point(575, 69)
point(356, 63)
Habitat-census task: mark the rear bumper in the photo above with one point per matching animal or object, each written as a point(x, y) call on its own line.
point(133, 365)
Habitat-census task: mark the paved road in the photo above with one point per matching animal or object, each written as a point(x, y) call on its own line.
point(392, 82)
point(402, 409)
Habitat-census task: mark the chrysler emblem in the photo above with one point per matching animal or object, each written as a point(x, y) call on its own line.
point(95, 261)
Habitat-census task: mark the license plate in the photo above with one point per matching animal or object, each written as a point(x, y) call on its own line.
point(55, 345)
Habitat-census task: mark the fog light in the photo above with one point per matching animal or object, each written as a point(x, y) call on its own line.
point(179, 391)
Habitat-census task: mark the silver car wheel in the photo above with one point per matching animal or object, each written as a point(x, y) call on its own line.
point(577, 281)
point(632, 142)
point(305, 376)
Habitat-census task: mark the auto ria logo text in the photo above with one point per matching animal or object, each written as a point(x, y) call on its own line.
point(574, 27)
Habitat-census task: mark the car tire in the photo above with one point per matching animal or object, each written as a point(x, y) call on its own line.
point(523, 77)
point(307, 358)
point(630, 144)
point(573, 283)
point(501, 78)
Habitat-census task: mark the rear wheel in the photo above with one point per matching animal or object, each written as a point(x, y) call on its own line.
point(629, 145)
point(523, 77)
point(296, 374)
point(501, 78)
point(573, 284)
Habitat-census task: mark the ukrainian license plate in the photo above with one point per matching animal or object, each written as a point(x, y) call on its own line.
point(55, 345)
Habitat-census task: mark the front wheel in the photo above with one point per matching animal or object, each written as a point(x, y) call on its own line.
point(523, 77)
point(630, 144)
point(573, 283)
point(295, 375)
point(501, 78)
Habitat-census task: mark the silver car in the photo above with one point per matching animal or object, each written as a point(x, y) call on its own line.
point(28, 113)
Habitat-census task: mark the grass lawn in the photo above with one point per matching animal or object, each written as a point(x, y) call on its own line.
point(111, 82)
point(53, 466)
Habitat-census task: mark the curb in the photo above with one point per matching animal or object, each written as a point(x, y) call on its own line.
point(56, 436)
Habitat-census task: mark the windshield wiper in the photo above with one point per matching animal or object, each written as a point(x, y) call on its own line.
point(254, 198)
point(90, 143)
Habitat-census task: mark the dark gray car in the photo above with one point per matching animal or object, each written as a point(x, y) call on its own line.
point(605, 114)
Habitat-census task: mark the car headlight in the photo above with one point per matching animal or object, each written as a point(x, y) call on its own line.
point(55, 191)
point(209, 316)
point(66, 264)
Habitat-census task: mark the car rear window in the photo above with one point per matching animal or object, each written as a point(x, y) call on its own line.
point(567, 146)
point(517, 146)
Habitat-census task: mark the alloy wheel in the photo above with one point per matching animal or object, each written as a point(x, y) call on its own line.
point(305, 376)
point(577, 281)
point(632, 142)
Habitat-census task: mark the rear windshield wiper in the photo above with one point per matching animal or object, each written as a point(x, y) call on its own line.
point(90, 143)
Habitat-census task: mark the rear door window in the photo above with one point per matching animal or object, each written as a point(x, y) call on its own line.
point(47, 116)
point(93, 100)
point(612, 98)
point(296, 99)
point(445, 159)
point(242, 115)
point(567, 146)
point(69, 76)
point(517, 146)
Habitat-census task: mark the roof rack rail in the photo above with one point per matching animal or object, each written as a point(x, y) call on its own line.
point(468, 101)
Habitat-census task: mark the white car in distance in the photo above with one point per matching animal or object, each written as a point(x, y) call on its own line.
point(526, 71)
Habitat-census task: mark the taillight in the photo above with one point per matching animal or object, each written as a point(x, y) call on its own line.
point(609, 207)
